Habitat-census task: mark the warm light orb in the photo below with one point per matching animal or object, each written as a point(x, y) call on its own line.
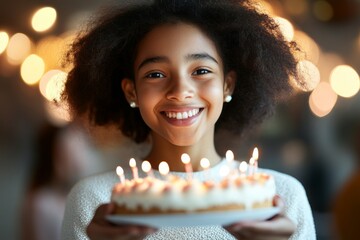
point(146, 166)
point(132, 162)
point(205, 163)
point(43, 19)
point(323, 10)
point(322, 100)
point(229, 155)
point(296, 7)
point(345, 81)
point(243, 167)
point(255, 154)
point(55, 86)
point(45, 80)
point(265, 7)
point(164, 168)
point(58, 114)
point(119, 171)
point(308, 47)
point(18, 48)
point(4, 40)
point(185, 158)
point(32, 69)
point(309, 76)
point(286, 28)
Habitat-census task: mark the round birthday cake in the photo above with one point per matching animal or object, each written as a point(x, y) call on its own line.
point(173, 194)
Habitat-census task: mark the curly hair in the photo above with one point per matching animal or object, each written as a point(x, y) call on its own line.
point(248, 41)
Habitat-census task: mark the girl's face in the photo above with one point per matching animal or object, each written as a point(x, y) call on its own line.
point(179, 84)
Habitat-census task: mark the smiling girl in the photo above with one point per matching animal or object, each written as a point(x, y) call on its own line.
point(174, 72)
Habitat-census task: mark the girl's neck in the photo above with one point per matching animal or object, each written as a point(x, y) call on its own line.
point(163, 150)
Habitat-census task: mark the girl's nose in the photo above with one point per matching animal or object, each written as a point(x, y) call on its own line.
point(180, 89)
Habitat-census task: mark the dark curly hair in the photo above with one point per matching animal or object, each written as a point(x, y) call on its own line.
point(248, 41)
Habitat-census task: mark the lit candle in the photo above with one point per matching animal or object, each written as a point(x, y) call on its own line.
point(205, 164)
point(251, 166)
point(164, 169)
point(185, 158)
point(146, 167)
point(229, 155)
point(243, 168)
point(255, 156)
point(134, 169)
point(120, 173)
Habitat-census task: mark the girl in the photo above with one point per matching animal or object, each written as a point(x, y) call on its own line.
point(174, 72)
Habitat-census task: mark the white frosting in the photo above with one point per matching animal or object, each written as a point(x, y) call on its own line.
point(180, 194)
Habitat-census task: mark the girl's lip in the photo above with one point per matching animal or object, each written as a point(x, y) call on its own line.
point(182, 117)
point(182, 114)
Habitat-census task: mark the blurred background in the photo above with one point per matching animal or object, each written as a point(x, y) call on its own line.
point(42, 153)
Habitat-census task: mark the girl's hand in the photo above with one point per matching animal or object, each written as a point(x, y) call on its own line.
point(278, 227)
point(100, 228)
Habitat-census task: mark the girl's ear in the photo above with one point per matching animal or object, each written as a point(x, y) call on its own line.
point(229, 83)
point(128, 87)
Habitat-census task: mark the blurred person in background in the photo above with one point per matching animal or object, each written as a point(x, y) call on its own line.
point(63, 155)
point(347, 203)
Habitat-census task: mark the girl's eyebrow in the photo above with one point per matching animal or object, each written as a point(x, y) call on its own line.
point(153, 60)
point(188, 58)
point(197, 56)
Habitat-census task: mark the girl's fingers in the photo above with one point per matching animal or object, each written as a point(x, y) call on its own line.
point(279, 202)
point(100, 228)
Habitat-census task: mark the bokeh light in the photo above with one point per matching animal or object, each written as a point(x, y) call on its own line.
point(286, 28)
point(43, 19)
point(309, 76)
point(322, 100)
point(296, 7)
point(265, 7)
point(18, 49)
point(57, 113)
point(308, 46)
point(32, 69)
point(4, 40)
point(322, 10)
point(345, 81)
point(55, 86)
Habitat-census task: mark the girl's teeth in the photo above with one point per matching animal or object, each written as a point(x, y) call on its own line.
point(182, 115)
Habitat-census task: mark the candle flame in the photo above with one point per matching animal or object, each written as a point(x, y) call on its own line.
point(164, 168)
point(255, 154)
point(185, 158)
point(132, 162)
point(119, 171)
point(146, 166)
point(229, 155)
point(243, 167)
point(205, 163)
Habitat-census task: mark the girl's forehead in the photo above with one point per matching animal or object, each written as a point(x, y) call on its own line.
point(176, 40)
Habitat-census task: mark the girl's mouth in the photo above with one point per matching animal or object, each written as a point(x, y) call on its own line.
point(183, 115)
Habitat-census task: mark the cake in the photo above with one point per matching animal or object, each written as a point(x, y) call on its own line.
point(172, 194)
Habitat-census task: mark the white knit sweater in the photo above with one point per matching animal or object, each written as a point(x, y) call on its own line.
point(88, 194)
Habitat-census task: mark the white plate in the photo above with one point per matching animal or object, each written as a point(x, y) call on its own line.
point(195, 219)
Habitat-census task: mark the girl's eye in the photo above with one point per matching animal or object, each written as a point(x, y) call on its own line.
point(201, 71)
point(155, 75)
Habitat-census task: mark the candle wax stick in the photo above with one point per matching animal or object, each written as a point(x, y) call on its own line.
point(120, 173)
point(185, 158)
point(134, 169)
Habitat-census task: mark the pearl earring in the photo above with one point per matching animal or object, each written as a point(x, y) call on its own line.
point(133, 104)
point(228, 98)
